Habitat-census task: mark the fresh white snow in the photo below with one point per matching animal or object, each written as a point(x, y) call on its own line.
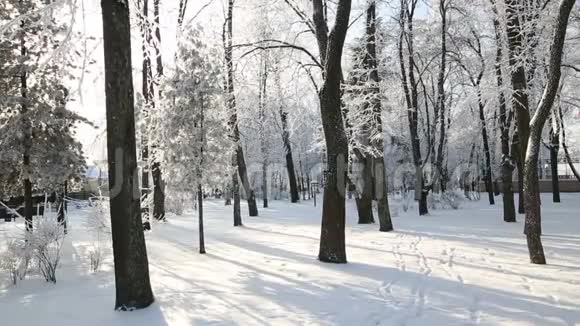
point(453, 267)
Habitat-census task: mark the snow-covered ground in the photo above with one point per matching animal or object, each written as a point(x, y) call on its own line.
point(454, 267)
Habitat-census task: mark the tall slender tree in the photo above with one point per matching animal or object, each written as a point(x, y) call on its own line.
point(158, 183)
point(239, 161)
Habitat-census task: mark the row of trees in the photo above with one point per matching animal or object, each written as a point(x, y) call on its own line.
point(192, 126)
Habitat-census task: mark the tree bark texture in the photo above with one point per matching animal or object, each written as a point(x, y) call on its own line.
point(133, 288)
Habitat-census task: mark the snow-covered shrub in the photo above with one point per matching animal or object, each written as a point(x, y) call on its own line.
point(446, 200)
point(453, 199)
point(99, 227)
point(14, 260)
point(96, 258)
point(394, 208)
point(177, 202)
point(46, 243)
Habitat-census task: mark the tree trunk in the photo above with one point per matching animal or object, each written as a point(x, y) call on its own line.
point(228, 195)
point(554, 148)
point(520, 99)
point(294, 195)
point(263, 140)
point(533, 226)
point(507, 167)
point(27, 183)
point(486, 151)
point(147, 85)
point(200, 214)
point(380, 189)
point(412, 100)
point(564, 146)
point(158, 183)
point(364, 199)
point(332, 238)
point(236, 195)
point(133, 288)
point(441, 98)
point(61, 210)
point(239, 161)
point(520, 168)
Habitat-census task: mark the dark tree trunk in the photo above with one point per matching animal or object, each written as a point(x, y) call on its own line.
point(364, 199)
point(441, 98)
point(243, 172)
point(533, 224)
point(61, 212)
point(28, 206)
point(412, 99)
point(263, 139)
point(507, 166)
point(158, 183)
point(181, 13)
point(378, 163)
point(228, 195)
point(200, 214)
point(147, 85)
point(332, 238)
point(520, 168)
point(133, 288)
point(564, 146)
point(27, 184)
point(265, 185)
point(239, 161)
point(554, 169)
point(236, 195)
point(520, 99)
point(554, 148)
point(486, 151)
point(294, 195)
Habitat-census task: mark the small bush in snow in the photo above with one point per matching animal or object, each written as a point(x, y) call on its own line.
point(453, 199)
point(446, 200)
point(96, 257)
point(99, 227)
point(14, 260)
point(46, 243)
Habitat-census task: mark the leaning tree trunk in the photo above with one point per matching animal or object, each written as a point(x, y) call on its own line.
point(294, 195)
point(133, 288)
point(292, 178)
point(332, 237)
point(564, 146)
point(533, 226)
point(239, 161)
